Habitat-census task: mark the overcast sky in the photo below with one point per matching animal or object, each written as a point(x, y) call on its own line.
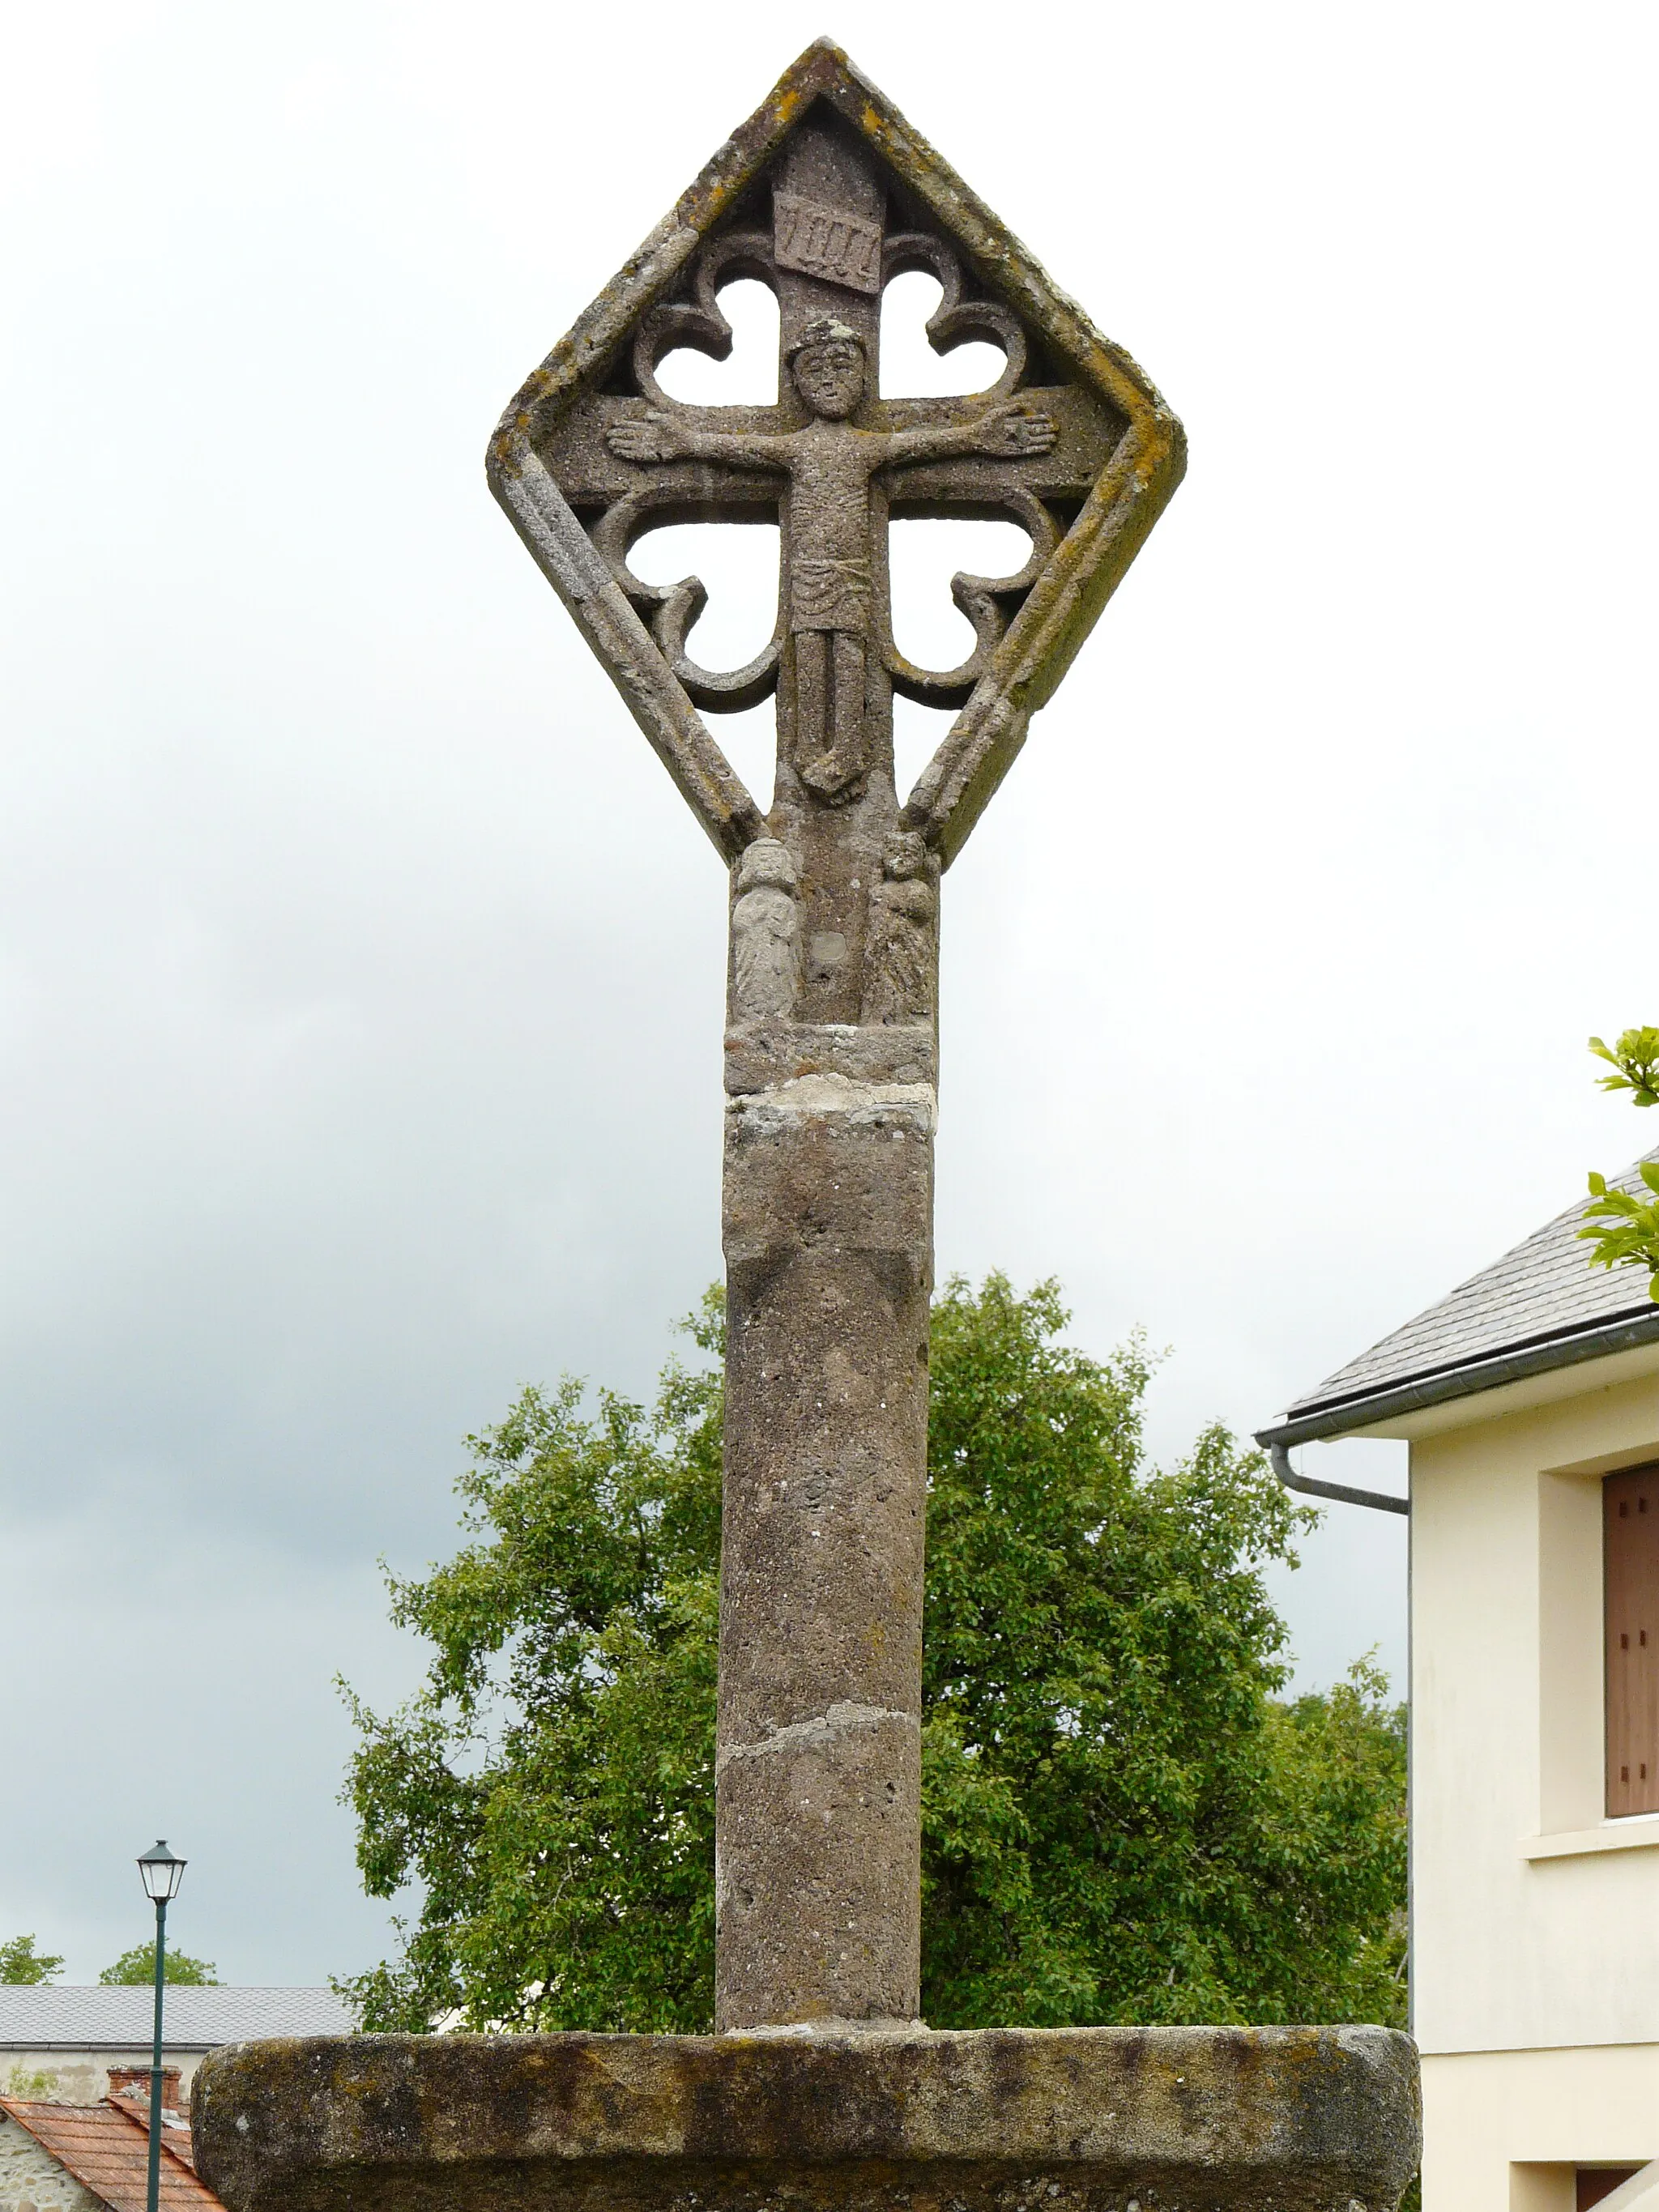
point(361, 975)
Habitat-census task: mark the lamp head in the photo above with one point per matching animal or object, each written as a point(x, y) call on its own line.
point(161, 1871)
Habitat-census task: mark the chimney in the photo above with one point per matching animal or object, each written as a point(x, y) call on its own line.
point(133, 2082)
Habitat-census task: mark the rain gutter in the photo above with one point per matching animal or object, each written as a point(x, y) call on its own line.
point(1378, 1500)
point(1346, 1417)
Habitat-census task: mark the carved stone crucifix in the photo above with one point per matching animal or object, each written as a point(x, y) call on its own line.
point(825, 196)
point(829, 568)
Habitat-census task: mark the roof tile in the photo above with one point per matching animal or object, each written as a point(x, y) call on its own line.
point(107, 2150)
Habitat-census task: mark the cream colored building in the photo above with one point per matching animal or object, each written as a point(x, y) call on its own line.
point(1530, 1400)
point(73, 2044)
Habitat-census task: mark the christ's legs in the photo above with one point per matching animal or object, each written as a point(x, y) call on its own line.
point(847, 719)
point(813, 698)
point(829, 710)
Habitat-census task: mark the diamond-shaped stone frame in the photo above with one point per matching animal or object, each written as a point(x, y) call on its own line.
point(1069, 593)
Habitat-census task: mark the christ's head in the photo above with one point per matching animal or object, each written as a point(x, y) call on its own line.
point(827, 362)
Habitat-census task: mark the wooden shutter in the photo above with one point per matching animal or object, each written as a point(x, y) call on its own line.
point(1630, 1552)
point(1596, 2182)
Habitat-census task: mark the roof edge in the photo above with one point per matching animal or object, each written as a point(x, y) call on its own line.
point(179, 2045)
point(1342, 1417)
point(71, 2156)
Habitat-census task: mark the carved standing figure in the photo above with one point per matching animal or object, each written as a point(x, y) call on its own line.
point(901, 956)
point(765, 934)
point(830, 582)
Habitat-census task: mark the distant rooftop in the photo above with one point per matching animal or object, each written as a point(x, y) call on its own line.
point(1542, 1306)
point(56, 2016)
point(106, 2149)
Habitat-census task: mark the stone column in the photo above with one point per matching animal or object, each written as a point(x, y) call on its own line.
point(829, 1247)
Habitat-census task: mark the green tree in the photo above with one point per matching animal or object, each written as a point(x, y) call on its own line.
point(21, 1962)
point(1123, 1823)
point(1122, 1819)
point(1623, 1225)
point(138, 1965)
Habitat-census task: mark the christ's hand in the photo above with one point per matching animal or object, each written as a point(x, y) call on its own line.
point(655, 439)
point(1016, 429)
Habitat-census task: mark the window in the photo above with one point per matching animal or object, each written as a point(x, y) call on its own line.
point(1630, 1553)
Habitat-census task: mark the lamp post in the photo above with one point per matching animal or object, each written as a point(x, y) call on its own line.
point(161, 1871)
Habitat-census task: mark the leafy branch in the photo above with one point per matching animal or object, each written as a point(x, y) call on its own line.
point(1622, 1226)
point(1635, 1059)
point(21, 1962)
point(1625, 1231)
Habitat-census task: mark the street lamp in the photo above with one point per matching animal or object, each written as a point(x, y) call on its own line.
point(161, 1871)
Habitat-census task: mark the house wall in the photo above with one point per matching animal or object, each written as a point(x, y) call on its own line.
point(31, 2179)
point(1514, 1951)
point(1535, 1981)
point(1505, 2131)
point(80, 2077)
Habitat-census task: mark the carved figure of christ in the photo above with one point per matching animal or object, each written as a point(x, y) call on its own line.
point(830, 584)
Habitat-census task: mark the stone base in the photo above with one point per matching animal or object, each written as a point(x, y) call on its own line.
point(1092, 2119)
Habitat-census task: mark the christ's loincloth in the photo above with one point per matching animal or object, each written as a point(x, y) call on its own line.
point(829, 594)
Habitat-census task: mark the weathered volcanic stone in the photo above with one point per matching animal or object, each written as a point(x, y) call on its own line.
point(829, 1263)
point(1173, 2119)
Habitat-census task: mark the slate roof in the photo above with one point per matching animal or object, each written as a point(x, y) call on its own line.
point(106, 2148)
point(54, 2016)
point(1543, 1305)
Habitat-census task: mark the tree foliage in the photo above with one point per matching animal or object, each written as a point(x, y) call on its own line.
point(138, 1965)
point(1122, 1819)
point(21, 1962)
point(1634, 1061)
point(1622, 1226)
point(1123, 1824)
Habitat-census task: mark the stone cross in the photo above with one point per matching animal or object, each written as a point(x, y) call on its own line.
point(830, 1075)
point(825, 196)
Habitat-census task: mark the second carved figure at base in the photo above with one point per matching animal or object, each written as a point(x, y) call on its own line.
point(900, 950)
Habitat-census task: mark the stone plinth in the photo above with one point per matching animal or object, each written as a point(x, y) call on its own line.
point(1288, 2119)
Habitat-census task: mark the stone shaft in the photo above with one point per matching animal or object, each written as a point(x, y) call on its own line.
point(829, 1249)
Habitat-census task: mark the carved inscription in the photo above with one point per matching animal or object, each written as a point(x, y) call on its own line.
point(827, 242)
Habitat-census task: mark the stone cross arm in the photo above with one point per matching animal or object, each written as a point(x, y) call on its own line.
point(1037, 489)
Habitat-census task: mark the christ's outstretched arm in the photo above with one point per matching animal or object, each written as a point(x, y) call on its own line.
point(658, 438)
point(1011, 429)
